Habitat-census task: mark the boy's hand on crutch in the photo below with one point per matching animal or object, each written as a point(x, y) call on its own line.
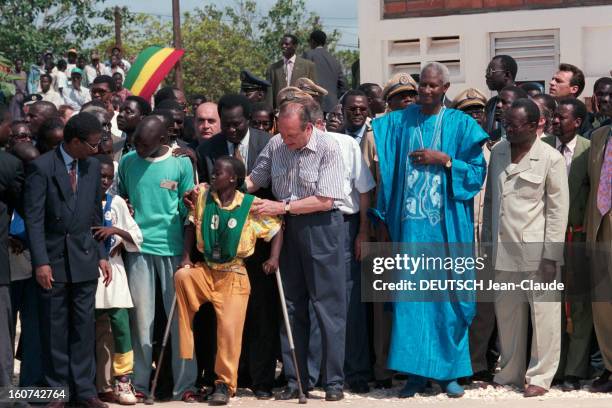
point(270, 266)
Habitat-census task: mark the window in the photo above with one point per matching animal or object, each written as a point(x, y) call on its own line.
point(536, 52)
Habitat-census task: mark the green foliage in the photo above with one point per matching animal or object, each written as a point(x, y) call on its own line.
point(219, 45)
point(27, 28)
point(7, 87)
point(289, 17)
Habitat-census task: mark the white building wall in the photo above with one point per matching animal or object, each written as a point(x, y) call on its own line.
point(585, 40)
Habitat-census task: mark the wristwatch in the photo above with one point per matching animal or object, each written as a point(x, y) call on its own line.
point(449, 164)
point(287, 206)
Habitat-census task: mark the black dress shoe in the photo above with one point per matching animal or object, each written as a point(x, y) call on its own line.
point(570, 383)
point(359, 387)
point(220, 396)
point(93, 403)
point(483, 376)
point(262, 393)
point(384, 384)
point(288, 393)
point(602, 379)
point(334, 394)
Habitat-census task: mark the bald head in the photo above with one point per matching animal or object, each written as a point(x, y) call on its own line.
point(148, 136)
point(207, 120)
point(38, 113)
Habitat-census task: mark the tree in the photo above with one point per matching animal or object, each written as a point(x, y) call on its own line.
point(219, 44)
point(289, 17)
point(27, 28)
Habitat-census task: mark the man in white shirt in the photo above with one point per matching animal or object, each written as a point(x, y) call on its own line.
point(47, 93)
point(358, 182)
point(96, 68)
point(76, 95)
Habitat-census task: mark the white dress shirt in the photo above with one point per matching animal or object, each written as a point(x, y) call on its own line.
point(243, 147)
point(568, 152)
point(289, 65)
point(357, 178)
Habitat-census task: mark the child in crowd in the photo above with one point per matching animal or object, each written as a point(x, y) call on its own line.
point(119, 231)
point(225, 232)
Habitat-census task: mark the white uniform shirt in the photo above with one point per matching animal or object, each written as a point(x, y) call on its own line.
point(357, 178)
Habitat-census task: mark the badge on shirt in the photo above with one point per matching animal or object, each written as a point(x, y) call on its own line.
point(169, 185)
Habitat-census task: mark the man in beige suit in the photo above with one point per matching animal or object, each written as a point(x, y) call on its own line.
point(526, 207)
point(577, 320)
point(286, 71)
point(598, 226)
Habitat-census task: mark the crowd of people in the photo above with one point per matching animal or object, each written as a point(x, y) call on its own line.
point(115, 211)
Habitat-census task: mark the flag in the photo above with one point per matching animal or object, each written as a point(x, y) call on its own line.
point(150, 68)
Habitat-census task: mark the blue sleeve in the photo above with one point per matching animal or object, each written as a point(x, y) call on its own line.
point(469, 167)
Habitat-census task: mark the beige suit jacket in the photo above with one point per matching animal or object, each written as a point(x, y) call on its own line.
point(526, 207)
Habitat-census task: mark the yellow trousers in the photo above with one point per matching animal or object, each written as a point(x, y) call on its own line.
point(229, 294)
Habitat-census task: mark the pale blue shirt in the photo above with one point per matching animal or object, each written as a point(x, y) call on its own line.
point(68, 160)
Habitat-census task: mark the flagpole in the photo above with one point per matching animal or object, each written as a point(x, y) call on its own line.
point(176, 28)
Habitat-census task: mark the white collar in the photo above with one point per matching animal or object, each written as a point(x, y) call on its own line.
point(571, 145)
point(292, 59)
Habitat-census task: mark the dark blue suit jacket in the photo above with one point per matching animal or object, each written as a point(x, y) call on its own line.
point(59, 222)
point(11, 182)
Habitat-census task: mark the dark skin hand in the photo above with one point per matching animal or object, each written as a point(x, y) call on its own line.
point(427, 156)
point(16, 245)
point(103, 233)
point(548, 270)
point(271, 265)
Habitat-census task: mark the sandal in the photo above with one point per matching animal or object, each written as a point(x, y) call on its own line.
point(189, 397)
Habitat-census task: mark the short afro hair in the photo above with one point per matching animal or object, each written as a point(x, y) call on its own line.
point(579, 109)
point(318, 37)
point(237, 166)
point(530, 107)
point(143, 105)
point(508, 63)
point(81, 126)
point(230, 101)
point(105, 79)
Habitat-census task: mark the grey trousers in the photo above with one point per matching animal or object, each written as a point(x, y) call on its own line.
point(313, 269)
point(7, 337)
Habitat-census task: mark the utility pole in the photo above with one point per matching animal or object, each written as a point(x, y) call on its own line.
point(176, 28)
point(118, 27)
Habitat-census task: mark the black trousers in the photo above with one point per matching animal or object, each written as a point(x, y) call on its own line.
point(6, 337)
point(67, 329)
point(313, 269)
point(260, 341)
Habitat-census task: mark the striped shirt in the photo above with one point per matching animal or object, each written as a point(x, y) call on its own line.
point(315, 170)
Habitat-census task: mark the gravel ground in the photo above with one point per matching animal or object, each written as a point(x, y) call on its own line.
point(475, 396)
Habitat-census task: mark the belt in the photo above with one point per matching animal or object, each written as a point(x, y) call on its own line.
point(350, 216)
point(314, 213)
point(569, 236)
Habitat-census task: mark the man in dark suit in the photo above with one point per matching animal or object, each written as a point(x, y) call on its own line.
point(62, 206)
point(286, 71)
point(261, 339)
point(328, 69)
point(11, 181)
point(577, 313)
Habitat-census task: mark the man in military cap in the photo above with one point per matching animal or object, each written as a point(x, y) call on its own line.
point(400, 91)
point(252, 87)
point(472, 102)
point(311, 88)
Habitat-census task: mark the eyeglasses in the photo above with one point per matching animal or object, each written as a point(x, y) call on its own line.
point(92, 147)
point(515, 127)
point(333, 115)
point(492, 71)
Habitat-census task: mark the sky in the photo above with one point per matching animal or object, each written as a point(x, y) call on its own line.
point(335, 14)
